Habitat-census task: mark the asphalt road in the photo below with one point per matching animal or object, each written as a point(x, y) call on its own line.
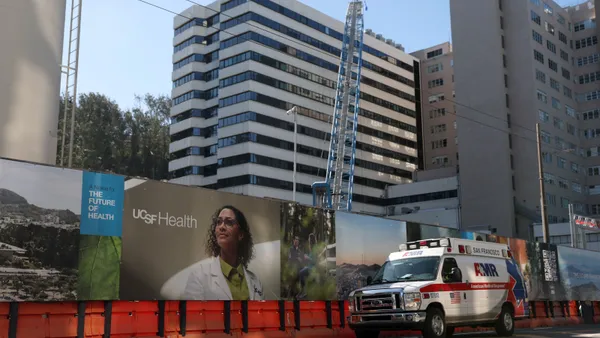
point(580, 331)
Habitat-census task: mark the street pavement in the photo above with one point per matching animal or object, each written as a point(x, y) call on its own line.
point(579, 331)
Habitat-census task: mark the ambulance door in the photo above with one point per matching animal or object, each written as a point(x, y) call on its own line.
point(454, 295)
point(488, 280)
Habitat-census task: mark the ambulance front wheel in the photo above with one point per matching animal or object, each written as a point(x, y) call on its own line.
point(435, 324)
point(505, 326)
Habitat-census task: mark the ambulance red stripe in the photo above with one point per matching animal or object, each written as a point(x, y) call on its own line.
point(465, 287)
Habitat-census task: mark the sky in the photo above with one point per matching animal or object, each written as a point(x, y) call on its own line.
point(126, 45)
point(43, 186)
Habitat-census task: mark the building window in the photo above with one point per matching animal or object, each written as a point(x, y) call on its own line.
point(570, 111)
point(540, 76)
point(537, 36)
point(435, 83)
point(554, 84)
point(566, 74)
point(440, 128)
point(564, 202)
point(549, 28)
point(590, 59)
point(551, 46)
point(434, 53)
point(435, 68)
point(562, 37)
point(548, 10)
point(504, 60)
point(536, 18)
point(552, 65)
point(538, 56)
point(439, 144)
point(541, 96)
point(555, 103)
point(436, 98)
point(568, 92)
point(438, 112)
point(591, 114)
point(589, 77)
point(564, 55)
point(439, 160)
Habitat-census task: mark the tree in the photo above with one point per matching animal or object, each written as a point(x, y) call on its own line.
point(132, 143)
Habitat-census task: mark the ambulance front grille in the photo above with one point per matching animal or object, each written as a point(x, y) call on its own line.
point(379, 302)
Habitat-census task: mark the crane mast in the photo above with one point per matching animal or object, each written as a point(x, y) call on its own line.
point(336, 191)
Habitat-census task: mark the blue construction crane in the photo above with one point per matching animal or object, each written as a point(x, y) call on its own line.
point(336, 191)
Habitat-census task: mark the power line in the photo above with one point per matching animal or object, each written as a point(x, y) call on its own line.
point(417, 100)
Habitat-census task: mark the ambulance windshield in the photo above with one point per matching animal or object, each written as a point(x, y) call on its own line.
point(408, 270)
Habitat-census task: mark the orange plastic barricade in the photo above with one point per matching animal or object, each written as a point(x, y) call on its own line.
point(94, 319)
point(205, 317)
point(596, 312)
point(134, 319)
point(4, 319)
point(558, 311)
point(573, 313)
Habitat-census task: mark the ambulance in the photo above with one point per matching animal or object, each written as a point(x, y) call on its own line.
point(436, 285)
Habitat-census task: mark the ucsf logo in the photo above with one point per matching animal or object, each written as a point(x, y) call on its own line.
point(144, 215)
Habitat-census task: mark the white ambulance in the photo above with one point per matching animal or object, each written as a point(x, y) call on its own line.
point(438, 284)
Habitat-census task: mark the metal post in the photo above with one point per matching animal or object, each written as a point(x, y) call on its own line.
point(74, 107)
point(545, 229)
point(573, 228)
point(294, 112)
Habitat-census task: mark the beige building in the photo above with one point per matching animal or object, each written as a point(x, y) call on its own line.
point(31, 35)
point(437, 107)
point(518, 63)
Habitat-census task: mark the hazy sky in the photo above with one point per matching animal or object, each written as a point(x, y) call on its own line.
point(46, 187)
point(372, 236)
point(126, 45)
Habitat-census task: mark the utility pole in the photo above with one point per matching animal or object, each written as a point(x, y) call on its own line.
point(545, 230)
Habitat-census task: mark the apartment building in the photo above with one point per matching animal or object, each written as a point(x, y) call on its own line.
point(517, 63)
point(239, 65)
point(438, 118)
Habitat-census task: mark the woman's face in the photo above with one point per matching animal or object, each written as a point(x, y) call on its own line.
point(227, 230)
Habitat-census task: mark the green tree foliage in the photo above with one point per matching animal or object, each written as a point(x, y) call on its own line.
point(133, 142)
point(99, 267)
point(318, 227)
point(47, 247)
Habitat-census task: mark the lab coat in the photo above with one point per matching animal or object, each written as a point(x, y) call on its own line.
point(207, 282)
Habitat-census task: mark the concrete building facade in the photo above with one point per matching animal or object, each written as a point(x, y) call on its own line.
point(31, 35)
point(516, 64)
point(440, 143)
point(239, 65)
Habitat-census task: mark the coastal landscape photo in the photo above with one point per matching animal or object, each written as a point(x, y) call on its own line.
point(40, 209)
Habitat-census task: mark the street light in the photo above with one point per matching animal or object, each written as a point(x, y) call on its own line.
point(294, 111)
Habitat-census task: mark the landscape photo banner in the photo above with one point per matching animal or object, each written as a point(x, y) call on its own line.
point(308, 253)
point(579, 274)
point(363, 245)
point(188, 243)
point(40, 212)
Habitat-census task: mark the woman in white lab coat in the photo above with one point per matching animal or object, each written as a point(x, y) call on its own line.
point(225, 275)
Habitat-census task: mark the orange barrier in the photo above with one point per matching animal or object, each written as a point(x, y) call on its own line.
point(273, 319)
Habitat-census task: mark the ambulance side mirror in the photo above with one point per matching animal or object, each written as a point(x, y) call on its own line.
point(456, 275)
point(369, 280)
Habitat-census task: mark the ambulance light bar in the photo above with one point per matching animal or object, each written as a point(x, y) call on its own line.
point(424, 244)
point(506, 254)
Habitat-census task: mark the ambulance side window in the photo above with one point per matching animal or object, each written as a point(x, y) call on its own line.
point(450, 271)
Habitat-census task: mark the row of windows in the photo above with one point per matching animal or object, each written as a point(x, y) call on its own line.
point(311, 132)
point(197, 22)
point(209, 131)
point(201, 113)
point(589, 78)
point(254, 76)
point(267, 80)
point(197, 39)
point(207, 151)
point(586, 42)
point(252, 36)
point(562, 183)
point(273, 102)
point(591, 114)
point(322, 28)
point(208, 58)
point(206, 171)
point(589, 96)
point(287, 165)
point(306, 150)
point(197, 76)
point(197, 94)
point(588, 60)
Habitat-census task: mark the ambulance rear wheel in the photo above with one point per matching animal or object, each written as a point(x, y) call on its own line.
point(435, 324)
point(505, 326)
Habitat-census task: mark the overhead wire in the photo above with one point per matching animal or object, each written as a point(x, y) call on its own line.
point(417, 100)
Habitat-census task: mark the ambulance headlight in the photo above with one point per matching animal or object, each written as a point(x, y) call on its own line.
point(412, 301)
